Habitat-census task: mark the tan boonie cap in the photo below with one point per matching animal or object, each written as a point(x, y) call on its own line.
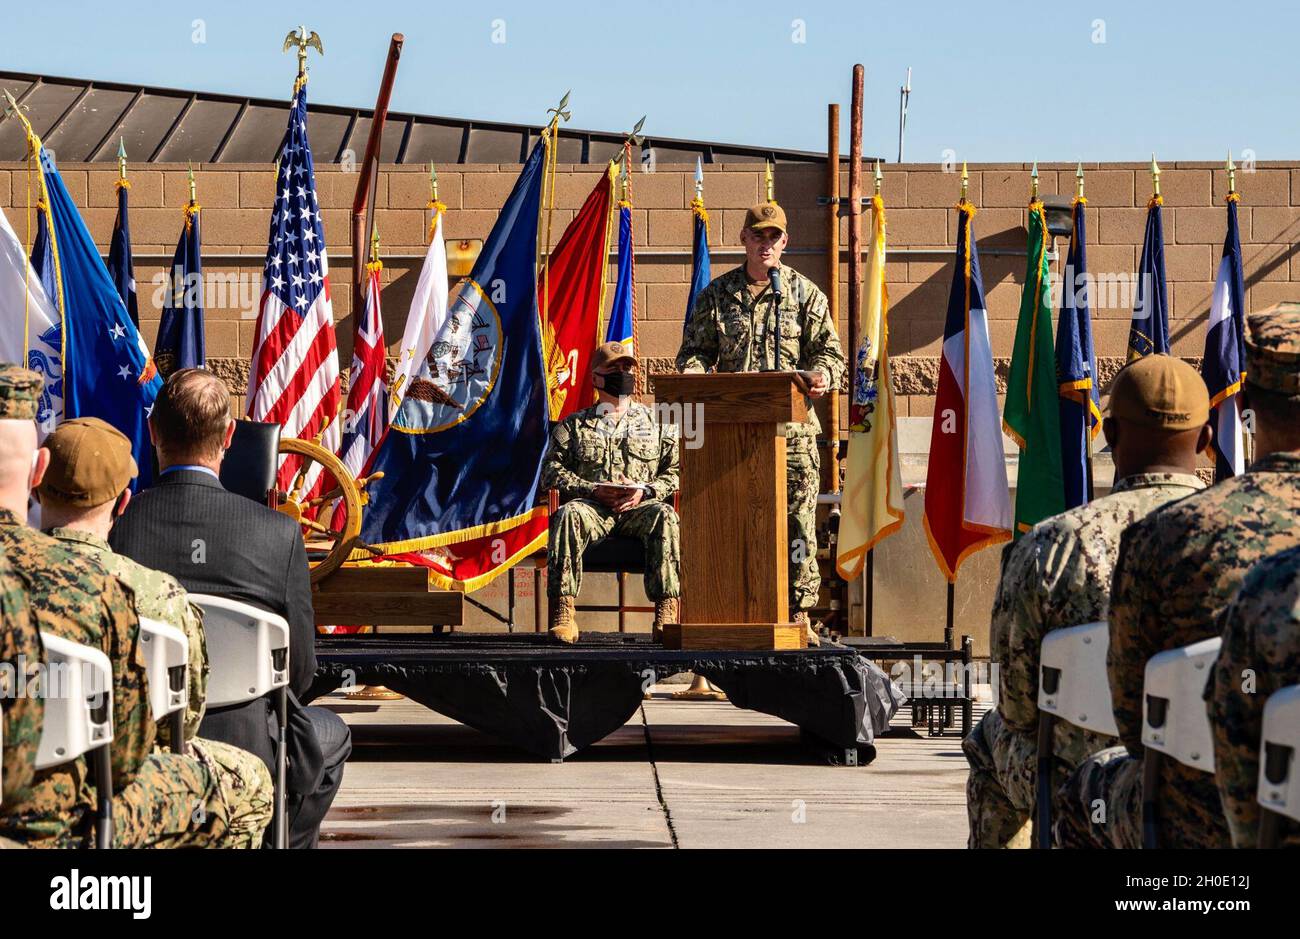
point(1273, 348)
point(20, 392)
point(1161, 392)
point(765, 215)
point(610, 352)
point(90, 463)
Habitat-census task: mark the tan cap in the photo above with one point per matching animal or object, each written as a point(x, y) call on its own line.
point(1161, 392)
point(610, 352)
point(90, 463)
point(765, 215)
point(20, 392)
point(1273, 348)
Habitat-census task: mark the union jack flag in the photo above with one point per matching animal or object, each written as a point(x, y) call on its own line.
point(366, 417)
point(294, 379)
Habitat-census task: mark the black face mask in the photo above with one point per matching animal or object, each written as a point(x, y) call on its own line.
point(619, 384)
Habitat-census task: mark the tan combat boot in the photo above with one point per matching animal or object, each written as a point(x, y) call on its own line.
point(665, 613)
point(563, 627)
point(801, 618)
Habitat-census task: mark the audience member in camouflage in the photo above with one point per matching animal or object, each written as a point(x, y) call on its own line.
point(615, 440)
point(1261, 645)
point(1177, 571)
point(733, 328)
point(20, 654)
point(1058, 575)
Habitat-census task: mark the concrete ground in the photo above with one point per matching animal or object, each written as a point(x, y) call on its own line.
point(684, 774)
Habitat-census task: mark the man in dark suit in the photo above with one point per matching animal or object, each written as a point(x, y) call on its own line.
point(216, 542)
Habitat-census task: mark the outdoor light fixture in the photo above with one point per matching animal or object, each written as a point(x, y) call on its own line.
point(1059, 213)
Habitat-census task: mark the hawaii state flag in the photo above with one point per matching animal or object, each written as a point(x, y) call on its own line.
point(1224, 364)
point(967, 500)
point(571, 297)
point(1076, 365)
point(366, 416)
point(872, 502)
point(463, 454)
point(1149, 332)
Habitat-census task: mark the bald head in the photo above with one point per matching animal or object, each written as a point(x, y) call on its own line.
point(22, 464)
point(191, 419)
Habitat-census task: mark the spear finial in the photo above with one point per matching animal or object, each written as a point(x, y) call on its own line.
point(121, 159)
point(965, 180)
point(374, 242)
point(879, 177)
point(771, 190)
point(433, 183)
point(561, 111)
point(1033, 183)
point(1155, 177)
point(1078, 181)
point(1232, 173)
point(193, 198)
point(699, 178)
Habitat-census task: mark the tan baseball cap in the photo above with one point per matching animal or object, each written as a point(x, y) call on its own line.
point(1161, 392)
point(610, 352)
point(765, 215)
point(90, 463)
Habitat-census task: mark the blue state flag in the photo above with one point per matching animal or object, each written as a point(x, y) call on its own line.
point(107, 371)
point(121, 266)
point(623, 313)
point(463, 453)
point(1076, 369)
point(1149, 331)
point(700, 273)
point(180, 332)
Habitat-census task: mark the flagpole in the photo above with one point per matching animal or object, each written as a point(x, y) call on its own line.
point(854, 209)
point(1087, 405)
point(363, 203)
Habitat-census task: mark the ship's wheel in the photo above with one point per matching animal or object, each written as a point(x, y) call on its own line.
point(330, 521)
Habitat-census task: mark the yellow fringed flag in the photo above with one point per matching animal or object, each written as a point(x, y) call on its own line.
point(872, 501)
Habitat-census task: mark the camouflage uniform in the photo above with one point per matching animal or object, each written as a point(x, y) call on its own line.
point(733, 330)
point(588, 447)
point(1056, 576)
point(1261, 632)
point(156, 796)
point(244, 786)
point(1177, 570)
point(20, 647)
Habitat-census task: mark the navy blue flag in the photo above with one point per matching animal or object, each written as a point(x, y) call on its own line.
point(463, 453)
point(107, 371)
point(121, 267)
point(1224, 365)
point(1149, 332)
point(700, 274)
point(43, 259)
point(1076, 369)
point(180, 332)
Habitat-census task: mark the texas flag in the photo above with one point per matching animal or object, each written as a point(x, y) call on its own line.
point(967, 500)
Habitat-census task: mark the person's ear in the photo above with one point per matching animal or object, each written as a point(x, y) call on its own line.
point(1205, 438)
point(122, 502)
point(40, 463)
point(229, 435)
point(153, 434)
point(1110, 430)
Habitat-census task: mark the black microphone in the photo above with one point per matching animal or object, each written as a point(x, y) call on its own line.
point(774, 278)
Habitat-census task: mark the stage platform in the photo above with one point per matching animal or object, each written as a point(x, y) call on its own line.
point(553, 699)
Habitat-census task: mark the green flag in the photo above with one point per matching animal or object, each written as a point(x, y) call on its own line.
point(1032, 414)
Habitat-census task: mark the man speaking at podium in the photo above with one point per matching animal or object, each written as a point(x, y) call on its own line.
point(765, 316)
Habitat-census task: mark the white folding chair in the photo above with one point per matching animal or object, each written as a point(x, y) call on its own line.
point(248, 655)
point(166, 663)
point(1072, 687)
point(1279, 782)
point(1175, 722)
point(77, 691)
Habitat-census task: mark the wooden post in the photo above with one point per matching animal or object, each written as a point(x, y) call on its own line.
point(947, 629)
point(369, 164)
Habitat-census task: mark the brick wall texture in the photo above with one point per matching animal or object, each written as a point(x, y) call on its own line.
point(919, 200)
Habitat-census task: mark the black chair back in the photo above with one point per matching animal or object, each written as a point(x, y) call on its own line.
point(250, 463)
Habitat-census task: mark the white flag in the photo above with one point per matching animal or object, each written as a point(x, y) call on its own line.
point(25, 309)
point(428, 313)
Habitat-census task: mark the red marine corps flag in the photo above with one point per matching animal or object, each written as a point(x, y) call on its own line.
point(967, 500)
point(294, 378)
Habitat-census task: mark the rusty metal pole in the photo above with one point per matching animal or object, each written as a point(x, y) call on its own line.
point(854, 209)
point(369, 164)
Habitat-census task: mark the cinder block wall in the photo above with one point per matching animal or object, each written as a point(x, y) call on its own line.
point(919, 200)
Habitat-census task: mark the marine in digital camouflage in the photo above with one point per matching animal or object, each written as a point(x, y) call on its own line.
point(733, 329)
point(243, 792)
point(1100, 805)
point(1178, 569)
point(1261, 633)
point(1055, 576)
point(20, 654)
point(589, 447)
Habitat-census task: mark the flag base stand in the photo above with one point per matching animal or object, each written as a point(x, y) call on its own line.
point(743, 637)
point(700, 690)
point(373, 693)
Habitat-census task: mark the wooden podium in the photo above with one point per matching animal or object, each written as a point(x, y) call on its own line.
point(734, 556)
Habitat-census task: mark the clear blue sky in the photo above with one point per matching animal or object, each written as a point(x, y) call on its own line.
point(993, 81)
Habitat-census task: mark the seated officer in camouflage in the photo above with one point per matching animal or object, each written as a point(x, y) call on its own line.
point(1177, 570)
point(1058, 574)
point(159, 799)
point(84, 489)
point(733, 328)
point(20, 653)
point(1260, 655)
point(615, 440)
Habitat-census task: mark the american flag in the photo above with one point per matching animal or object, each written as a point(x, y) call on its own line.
point(366, 416)
point(294, 379)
